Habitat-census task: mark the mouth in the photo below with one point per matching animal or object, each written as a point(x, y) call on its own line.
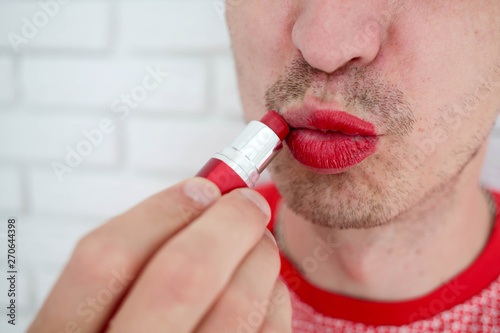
point(329, 141)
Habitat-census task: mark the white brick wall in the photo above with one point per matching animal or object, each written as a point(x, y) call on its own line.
point(11, 188)
point(72, 74)
point(80, 81)
point(491, 169)
point(6, 76)
point(92, 193)
point(35, 137)
point(171, 25)
point(227, 96)
point(75, 25)
point(169, 145)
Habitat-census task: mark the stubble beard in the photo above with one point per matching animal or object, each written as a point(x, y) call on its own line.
point(381, 189)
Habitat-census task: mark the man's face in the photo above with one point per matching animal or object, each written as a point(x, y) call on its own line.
point(424, 74)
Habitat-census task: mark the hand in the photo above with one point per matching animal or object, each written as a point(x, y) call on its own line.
point(184, 260)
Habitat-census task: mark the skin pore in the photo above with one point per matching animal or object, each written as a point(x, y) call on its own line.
point(427, 75)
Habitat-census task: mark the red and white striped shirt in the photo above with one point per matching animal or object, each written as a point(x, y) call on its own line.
point(470, 302)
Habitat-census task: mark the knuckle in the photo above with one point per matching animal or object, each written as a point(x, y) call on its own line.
point(95, 257)
point(236, 304)
point(187, 277)
point(244, 208)
point(281, 296)
point(270, 257)
point(179, 209)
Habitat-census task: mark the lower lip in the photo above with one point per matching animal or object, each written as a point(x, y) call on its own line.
point(329, 152)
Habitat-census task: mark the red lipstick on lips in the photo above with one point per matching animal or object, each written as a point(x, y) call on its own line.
point(241, 163)
point(329, 142)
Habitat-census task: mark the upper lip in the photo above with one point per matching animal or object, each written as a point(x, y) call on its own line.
point(328, 120)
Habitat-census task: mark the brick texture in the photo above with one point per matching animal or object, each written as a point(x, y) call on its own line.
point(6, 80)
point(171, 25)
point(83, 25)
point(159, 72)
point(10, 195)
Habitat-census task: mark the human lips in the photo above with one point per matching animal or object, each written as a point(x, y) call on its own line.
point(329, 141)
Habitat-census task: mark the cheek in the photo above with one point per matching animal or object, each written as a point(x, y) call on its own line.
point(438, 56)
point(438, 61)
point(262, 46)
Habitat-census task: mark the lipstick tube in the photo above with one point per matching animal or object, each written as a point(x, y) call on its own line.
point(241, 163)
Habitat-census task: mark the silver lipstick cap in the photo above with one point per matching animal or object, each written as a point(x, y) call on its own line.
point(250, 153)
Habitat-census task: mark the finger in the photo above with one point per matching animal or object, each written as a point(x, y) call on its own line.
point(106, 261)
point(243, 304)
point(279, 315)
point(186, 275)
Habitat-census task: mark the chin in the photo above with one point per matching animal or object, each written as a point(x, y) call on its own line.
point(351, 199)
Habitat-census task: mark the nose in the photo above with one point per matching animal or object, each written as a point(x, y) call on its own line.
point(332, 33)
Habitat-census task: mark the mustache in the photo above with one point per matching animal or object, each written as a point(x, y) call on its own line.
point(356, 88)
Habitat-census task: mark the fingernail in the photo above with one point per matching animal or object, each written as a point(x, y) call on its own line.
point(270, 235)
point(202, 191)
point(258, 200)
